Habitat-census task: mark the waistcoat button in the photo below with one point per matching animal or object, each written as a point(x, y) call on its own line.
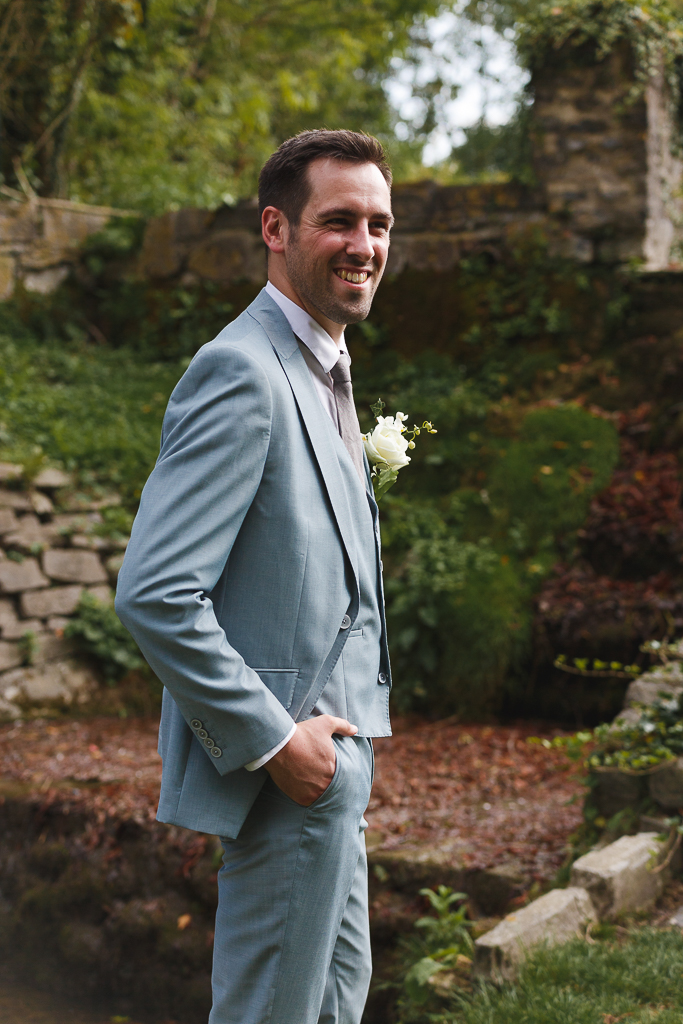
point(345, 622)
point(381, 678)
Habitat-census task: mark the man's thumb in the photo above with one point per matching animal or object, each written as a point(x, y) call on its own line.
point(344, 728)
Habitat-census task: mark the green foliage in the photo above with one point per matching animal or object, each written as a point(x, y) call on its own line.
point(473, 524)
point(444, 941)
point(656, 737)
point(100, 634)
point(28, 645)
point(544, 480)
point(485, 509)
point(96, 411)
point(652, 28)
point(638, 980)
point(47, 50)
point(442, 588)
point(178, 102)
point(492, 152)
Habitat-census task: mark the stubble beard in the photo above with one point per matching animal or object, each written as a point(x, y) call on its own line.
point(316, 291)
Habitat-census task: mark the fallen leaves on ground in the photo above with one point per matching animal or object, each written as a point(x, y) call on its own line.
point(483, 789)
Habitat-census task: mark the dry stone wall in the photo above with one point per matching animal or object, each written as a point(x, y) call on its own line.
point(50, 553)
point(41, 238)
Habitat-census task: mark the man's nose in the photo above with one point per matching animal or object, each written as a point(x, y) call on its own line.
point(360, 243)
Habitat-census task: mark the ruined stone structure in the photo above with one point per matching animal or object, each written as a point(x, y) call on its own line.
point(41, 238)
point(608, 191)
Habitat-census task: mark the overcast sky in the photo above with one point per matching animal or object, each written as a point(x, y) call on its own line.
point(458, 48)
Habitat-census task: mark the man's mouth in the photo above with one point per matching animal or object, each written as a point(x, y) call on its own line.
point(354, 276)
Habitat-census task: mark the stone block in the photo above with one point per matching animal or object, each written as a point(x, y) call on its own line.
point(7, 273)
point(8, 615)
point(90, 542)
point(10, 471)
point(160, 257)
point(103, 594)
point(40, 503)
point(615, 791)
point(50, 479)
point(57, 682)
point(69, 523)
point(16, 577)
point(45, 281)
point(49, 647)
point(14, 499)
point(66, 228)
point(10, 656)
point(8, 521)
point(9, 712)
point(666, 785)
point(30, 535)
point(619, 877)
point(229, 256)
point(15, 630)
point(69, 566)
point(113, 566)
point(667, 679)
point(57, 623)
point(554, 918)
point(52, 601)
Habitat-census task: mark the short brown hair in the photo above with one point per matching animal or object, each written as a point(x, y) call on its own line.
point(283, 181)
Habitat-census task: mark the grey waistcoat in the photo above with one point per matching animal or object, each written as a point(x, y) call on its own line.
point(357, 688)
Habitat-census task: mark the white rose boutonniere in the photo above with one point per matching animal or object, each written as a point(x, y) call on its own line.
point(386, 447)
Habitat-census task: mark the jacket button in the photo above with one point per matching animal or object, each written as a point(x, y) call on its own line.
point(195, 723)
point(216, 751)
point(381, 678)
point(208, 742)
point(345, 622)
point(202, 733)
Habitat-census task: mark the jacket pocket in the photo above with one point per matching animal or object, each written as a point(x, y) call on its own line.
point(281, 682)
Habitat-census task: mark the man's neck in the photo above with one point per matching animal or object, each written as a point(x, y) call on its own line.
point(283, 284)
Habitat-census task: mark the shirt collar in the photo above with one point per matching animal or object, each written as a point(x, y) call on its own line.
point(315, 338)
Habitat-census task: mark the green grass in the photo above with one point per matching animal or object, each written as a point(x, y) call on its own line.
point(95, 411)
point(582, 984)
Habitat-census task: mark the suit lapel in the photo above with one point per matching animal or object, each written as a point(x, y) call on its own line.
point(282, 338)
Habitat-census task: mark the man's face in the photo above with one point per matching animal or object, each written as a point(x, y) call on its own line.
point(335, 256)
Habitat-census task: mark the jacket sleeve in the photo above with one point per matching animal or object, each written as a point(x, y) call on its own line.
point(213, 451)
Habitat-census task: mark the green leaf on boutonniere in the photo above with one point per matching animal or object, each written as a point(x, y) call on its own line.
point(376, 408)
point(383, 479)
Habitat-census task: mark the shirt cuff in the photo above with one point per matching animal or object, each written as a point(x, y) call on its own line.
point(260, 761)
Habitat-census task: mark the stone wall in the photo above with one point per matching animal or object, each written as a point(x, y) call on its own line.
point(605, 166)
point(50, 552)
point(41, 238)
point(608, 191)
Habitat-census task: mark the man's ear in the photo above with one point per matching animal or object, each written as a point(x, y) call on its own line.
point(274, 228)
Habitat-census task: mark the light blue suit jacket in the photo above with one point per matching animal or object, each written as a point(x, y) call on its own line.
point(241, 569)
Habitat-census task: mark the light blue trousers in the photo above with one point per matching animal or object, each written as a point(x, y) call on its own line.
point(292, 943)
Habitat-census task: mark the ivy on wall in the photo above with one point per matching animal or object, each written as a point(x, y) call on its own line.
point(653, 29)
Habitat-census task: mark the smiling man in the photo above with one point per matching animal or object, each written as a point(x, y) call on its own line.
point(252, 584)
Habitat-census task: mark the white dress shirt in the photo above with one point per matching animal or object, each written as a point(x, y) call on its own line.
point(321, 352)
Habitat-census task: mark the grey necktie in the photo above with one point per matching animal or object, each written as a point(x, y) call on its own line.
point(349, 428)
